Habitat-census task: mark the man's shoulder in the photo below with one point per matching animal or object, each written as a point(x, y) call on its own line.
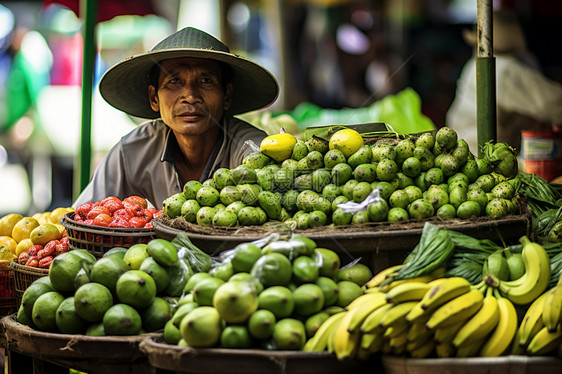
point(235, 125)
point(149, 130)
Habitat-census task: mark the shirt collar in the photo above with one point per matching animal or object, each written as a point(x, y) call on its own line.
point(171, 146)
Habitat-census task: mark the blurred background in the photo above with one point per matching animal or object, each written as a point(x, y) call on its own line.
point(350, 61)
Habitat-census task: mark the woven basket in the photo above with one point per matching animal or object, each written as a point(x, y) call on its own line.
point(8, 299)
point(23, 277)
point(98, 240)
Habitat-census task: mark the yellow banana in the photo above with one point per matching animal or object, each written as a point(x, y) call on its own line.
point(396, 313)
point(441, 292)
point(416, 330)
point(361, 312)
point(446, 334)
point(372, 322)
point(424, 350)
point(532, 321)
point(372, 290)
point(421, 279)
point(399, 341)
point(367, 340)
point(534, 282)
point(319, 341)
point(386, 348)
point(457, 309)
point(366, 343)
point(498, 342)
point(407, 292)
point(480, 324)
point(470, 349)
point(381, 276)
point(444, 350)
point(365, 298)
point(552, 310)
point(377, 343)
point(395, 330)
point(545, 342)
point(413, 345)
point(345, 343)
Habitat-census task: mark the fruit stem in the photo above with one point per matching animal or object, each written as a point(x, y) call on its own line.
point(524, 240)
point(492, 281)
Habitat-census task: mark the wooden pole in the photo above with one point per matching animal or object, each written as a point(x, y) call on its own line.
point(90, 10)
point(485, 76)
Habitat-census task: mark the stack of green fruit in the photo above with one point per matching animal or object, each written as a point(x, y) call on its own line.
point(273, 297)
point(304, 182)
point(125, 292)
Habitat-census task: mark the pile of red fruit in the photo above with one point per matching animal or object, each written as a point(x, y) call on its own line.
point(39, 256)
point(132, 212)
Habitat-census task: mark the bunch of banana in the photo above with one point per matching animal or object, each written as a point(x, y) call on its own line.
point(540, 331)
point(552, 310)
point(534, 281)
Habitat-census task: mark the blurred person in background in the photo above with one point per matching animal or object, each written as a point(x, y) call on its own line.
point(190, 85)
point(526, 99)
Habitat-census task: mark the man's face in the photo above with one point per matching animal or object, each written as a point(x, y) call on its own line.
point(190, 97)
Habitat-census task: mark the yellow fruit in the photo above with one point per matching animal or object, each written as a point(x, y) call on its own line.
point(6, 255)
point(43, 234)
point(23, 246)
point(60, 227)
point(8, 222)
point(347, 140)
point(44, 218)
point(57, 214)
point(24, 227)
point(278, 146)
point(8, 243)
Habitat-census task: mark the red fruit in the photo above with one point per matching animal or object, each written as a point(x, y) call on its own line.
point(138, 222)
point(123, 214)
point(45, 262)
point(78, 218)
point(33, 262)
point(147, 213)
point(22, 258)
point(157, 213)
point(136, 200)
point(148, 225)
point(34, 249)
point(119, 222)
point(89, 221)
point(64, 240)
point(48, 250)
point(110, 198)
point(97, 210)
point(61, 247)
point(113, 205)
point(102, 219)
point(82, 210)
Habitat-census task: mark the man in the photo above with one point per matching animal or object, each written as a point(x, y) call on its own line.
point(525, 98)
point(190, 85)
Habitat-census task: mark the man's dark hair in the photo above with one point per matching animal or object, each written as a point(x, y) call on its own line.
point(227, 74)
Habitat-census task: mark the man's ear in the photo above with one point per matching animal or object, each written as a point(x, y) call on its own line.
point(153, 98)
point(228, 96)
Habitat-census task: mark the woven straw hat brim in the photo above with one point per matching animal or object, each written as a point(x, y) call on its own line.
point(125, 85)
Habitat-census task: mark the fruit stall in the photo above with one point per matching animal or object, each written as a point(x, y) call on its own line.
point(344, 249)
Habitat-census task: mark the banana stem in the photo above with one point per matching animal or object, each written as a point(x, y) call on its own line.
point(524, 240)
point(491, 281)
point(507, 253)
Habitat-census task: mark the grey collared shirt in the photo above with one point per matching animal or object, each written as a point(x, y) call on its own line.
point(142, 162)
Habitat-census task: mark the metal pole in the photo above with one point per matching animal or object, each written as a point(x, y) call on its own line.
point(485, 76)
point(89, 9)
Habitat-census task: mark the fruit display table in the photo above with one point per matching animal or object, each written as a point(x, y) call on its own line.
point(248, 361)
point(55, 353)
point(473, 365)
point(380, 245)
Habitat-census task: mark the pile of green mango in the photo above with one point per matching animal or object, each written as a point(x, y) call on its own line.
point(417, 177)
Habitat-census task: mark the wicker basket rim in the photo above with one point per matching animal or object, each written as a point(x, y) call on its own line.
point(69, 223)
point(28, 269)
